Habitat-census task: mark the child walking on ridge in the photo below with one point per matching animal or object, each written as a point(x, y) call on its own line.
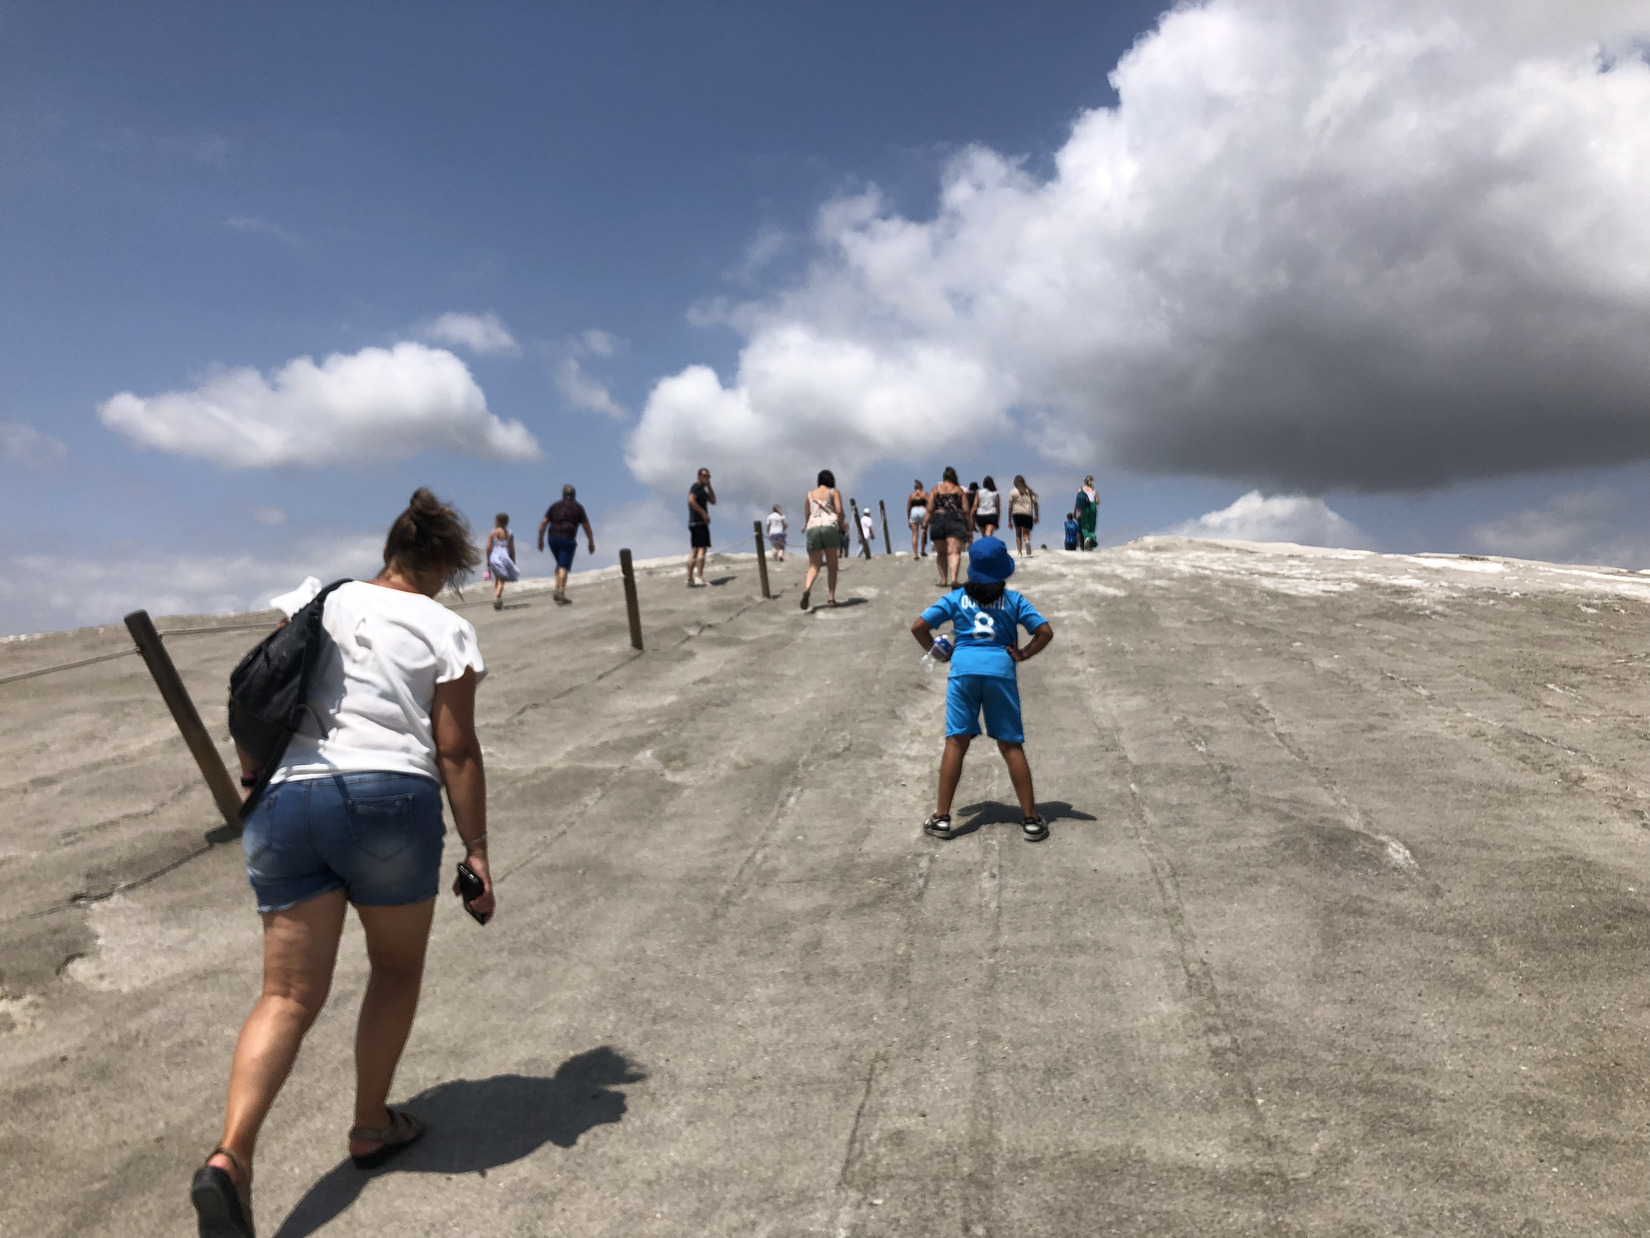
point(986, 618)
point(501, 557)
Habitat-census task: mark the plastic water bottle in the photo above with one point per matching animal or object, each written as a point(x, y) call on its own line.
point(939, 652)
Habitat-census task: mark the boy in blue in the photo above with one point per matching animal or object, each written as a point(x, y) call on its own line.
point(1073, 530)
point(986, 619)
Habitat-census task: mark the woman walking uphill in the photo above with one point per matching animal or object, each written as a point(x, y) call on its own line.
point(1022, 510)
point(916, 515)
point(986, 508)
point(352, 818)
point(777, 527)
point(1086, 506)
point(826, 533)
point(947, 525)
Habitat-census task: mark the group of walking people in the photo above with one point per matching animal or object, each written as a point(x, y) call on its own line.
point(948, 518)
point(562, 522)
point(349, 814)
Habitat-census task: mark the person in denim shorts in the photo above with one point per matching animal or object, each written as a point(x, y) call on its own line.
point(352, 818)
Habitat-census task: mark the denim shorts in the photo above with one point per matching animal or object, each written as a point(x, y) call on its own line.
point(563, 548)
point(998, 697)
point(375, 836)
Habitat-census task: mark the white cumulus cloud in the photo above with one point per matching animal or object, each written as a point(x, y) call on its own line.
point(802, 396)
point(585, 392)
point(21, 443)
point(483, 334)
point(377, 404)
point(1318, 243)
point(1278, 518)
point(576, 385)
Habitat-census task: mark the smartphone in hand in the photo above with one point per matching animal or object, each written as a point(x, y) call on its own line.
point(471, 887)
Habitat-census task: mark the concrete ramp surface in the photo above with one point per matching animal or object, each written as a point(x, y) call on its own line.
point(1341, 928)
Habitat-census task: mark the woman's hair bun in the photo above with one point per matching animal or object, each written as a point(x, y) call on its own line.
point(424, 503)
point(431, 537)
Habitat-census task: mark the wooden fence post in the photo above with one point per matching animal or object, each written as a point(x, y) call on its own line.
point(887, 546)
point(761, 558)
point(184, 714)
point(632, 607)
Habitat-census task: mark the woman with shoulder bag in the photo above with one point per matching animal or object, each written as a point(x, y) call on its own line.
point(352, 818)
point(826, 533)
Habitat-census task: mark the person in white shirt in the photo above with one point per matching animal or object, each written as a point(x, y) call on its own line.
point(867, 530)
point(352, 817)
point(777, 527)
point(987, 508)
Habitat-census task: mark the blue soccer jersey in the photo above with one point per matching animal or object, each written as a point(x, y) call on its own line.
point(984, 633)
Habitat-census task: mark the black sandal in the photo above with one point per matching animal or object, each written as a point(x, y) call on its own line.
point(1035, 829)
point(939, 826)
point(403, 1131)
point(220, 1210)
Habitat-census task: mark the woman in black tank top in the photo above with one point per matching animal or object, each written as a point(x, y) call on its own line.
point(947, 527)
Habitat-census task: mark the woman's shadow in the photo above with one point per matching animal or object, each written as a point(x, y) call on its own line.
point(477, 1124)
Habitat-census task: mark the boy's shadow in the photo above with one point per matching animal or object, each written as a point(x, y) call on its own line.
point(479, 1124)
point(989, 812)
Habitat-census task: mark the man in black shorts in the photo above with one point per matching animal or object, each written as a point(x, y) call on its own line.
point(562, 522)
point(701, 498)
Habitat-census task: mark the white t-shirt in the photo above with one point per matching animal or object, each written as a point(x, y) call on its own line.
point(867, 525)
point(986, 504)
point(370, 699)
point(776, 524)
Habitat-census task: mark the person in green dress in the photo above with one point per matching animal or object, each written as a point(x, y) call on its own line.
point(1087, 507)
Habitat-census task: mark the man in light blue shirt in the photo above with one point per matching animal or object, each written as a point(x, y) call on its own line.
point(986, 618)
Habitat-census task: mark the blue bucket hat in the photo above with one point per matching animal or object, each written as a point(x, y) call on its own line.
point(989, 562)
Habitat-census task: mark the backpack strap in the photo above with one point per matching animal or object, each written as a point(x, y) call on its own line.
point(311, 613)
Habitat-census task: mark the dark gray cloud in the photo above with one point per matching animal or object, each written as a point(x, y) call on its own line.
point(1325, 244)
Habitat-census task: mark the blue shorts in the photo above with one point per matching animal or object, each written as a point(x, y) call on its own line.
point(563, 548)
point(375, 836)
point(967, 695)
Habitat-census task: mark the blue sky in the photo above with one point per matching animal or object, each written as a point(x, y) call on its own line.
point(189, 189)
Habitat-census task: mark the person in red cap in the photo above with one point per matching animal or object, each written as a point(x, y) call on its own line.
point(985, 617)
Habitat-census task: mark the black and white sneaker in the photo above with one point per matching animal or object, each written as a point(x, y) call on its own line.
point(1035, 829)
point(939, 826)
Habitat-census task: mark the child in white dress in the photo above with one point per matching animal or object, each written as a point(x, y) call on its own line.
point(501, 557)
